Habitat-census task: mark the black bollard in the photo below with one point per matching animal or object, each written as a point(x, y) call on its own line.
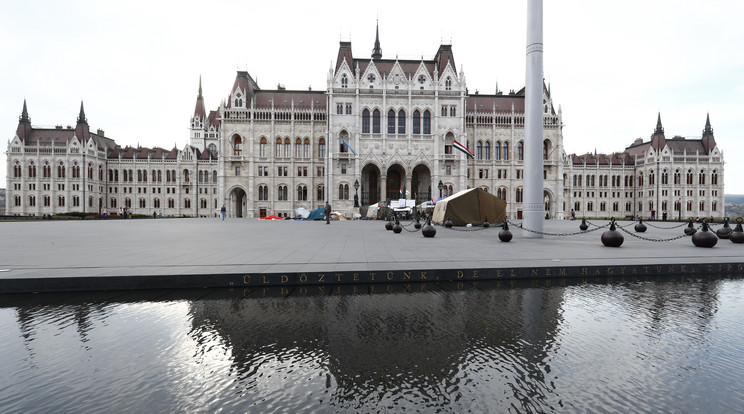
point(737, 236)
point(389, 224)
point(725, 231)
point(448, 223)
point(583, 226)
point(690, 229)
point(428, 230)
point(640, 227)
point(505, 235)
point(417, 224)
point(486, 224)
point(704, 238)
point(612, 237)
point(397, 228)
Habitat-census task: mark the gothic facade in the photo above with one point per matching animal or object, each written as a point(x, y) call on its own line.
point(383, 129)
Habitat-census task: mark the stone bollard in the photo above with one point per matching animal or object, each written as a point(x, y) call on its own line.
point(725, 231)
point(448, 223)
point(583, 226)
point(690, 229)
point(612, 237)
point(397, 228)
point(737, 236)
point(640, 227)
point(428, 230)
point(704, 238)
point(505, 235)
point(486, 224)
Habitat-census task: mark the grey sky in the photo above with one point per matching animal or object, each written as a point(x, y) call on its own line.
point(611, 66)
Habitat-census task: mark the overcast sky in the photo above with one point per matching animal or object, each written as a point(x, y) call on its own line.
point(612, 66)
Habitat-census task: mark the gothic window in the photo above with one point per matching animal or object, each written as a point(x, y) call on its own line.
point(391, 122)
point(448, 84)
point(714, 178)
point(282, 193)
point(278, 147)
point(520, 151)
point(365, 121)
point(302, 193)
point(321, 148)
point(344, 81)
point(416, 122)
point(238, 100)
point(343, 191)
point(421, 79)
point(487, 150)
point(171, 203)
point(263, 193)
point(339, 109)
point(237, 145)
point(320, 192)
point(479, 150)
point(427, 122)
point(306, 148)
point(444, 110)
point(401, 122)
point(262, 147)
point(376, 121)
point(546, 149)
point(287, 148)
point(506, 151)
point(701, 178)
point(519, 194)
point(453, 110)
point(497, 150)
point(298, 148)
point(186, 176)
point(677, 178)
point(348, 109)
point(689, 177)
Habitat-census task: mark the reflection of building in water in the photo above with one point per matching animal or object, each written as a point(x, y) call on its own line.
point(389, 340)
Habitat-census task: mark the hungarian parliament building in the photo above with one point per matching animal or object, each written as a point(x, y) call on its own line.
point(384, 129)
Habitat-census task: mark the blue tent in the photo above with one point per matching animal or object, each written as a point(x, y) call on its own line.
point(317, 214)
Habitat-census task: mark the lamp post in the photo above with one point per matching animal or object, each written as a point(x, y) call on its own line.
point(356, 193)
point(680, 209)
point(440, 188)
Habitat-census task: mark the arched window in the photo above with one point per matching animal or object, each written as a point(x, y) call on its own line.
point(320, 193)
point(344, 81)
point(214, 176)
point(321, 148)
point(519, 194)
point(448, 84)
point(391, 122)
point(365, 121)
point(278, 147)
point(416, 122)
point(401, 122)
point(714, 178)
point(506, 151)
point(640, 179)
point(701, 178)
point(144, 176)
point(306, 148)
point(677, 178)
point(263, 193)
point(427, 122)
point(689, 176)
point(487, 150)
point(139, 175)
point(343, 191)
point(186, 175)
point(546, 149)
point(298, 148)
point(282, 193)
point(479, 150)
point(262, 147)
point(302, 193)
point(287, 148)
point(497, 150)
point(520, 151)
point(376, 121)
point(237, 145)
point(201, 176)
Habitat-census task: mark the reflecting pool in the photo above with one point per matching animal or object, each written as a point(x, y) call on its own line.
point(618, 345)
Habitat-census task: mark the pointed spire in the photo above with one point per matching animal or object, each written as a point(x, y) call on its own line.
point(377, 51)
point(81, 117)
point(659, 128)
point(707, 131)
point(200, 88)
point(24, 115)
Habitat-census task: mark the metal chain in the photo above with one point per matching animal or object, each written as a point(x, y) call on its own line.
point(466, 228)
point(653, 240)
point(664, 228)
point(556, 234)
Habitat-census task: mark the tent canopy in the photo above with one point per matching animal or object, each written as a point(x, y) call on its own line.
point(471, 206)
point(317, 214)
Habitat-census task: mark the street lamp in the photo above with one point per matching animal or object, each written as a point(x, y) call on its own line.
point(440, 188)
point(356, 193)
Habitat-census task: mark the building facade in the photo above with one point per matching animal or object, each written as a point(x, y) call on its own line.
point(383, 129)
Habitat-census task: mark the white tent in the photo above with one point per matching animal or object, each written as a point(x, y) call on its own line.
point(302, 212)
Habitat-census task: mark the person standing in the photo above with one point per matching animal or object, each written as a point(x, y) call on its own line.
point(105, 213)
point(223, 210)
point(328, 213)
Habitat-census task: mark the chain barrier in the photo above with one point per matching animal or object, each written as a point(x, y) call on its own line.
point(409, 225)
point(664, 228)
point(466, 228)
point(556, 234)
point(653, 240)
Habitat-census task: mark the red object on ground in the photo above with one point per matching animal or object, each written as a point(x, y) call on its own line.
point(272, 217)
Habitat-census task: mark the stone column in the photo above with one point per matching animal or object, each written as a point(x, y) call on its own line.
point(533, 209)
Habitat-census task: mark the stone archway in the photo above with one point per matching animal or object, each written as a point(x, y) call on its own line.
point(370, 185)
point(421, 183)
point(395, 182)
point(237, 204)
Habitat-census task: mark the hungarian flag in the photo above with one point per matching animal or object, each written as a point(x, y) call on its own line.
point(464, 149)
